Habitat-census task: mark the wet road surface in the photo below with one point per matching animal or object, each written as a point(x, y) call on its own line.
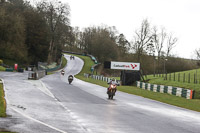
point(52, 105)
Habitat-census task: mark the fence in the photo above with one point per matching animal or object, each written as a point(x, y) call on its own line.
point(100, 77)
point(181, 92)
point(36, 75)
point(185, 77)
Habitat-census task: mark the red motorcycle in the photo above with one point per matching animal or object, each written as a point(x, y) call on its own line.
point(111, 90)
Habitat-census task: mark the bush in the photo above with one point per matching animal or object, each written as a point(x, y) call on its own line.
point(196, 94)
point(1, 62)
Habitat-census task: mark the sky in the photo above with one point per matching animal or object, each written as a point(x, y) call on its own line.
point(179, 17)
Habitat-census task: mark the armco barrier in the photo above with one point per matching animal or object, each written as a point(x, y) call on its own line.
point(181, 92)
point(100, 77)
point(36, 75)
point(9, 69)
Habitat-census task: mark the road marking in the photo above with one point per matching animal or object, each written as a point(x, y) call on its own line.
point(38, 121)
point(74, 117)
point(29, 116)
point(41, 86)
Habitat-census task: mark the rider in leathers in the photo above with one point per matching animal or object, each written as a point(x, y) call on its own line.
point(112, 82)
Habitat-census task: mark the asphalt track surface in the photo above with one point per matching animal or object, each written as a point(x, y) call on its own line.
point(51, 105)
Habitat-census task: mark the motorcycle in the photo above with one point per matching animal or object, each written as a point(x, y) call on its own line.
point(70, 79)
point(63, 72)
point(111, 91)
point(72, 57)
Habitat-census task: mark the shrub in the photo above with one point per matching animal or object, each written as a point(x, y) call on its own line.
point(1, 62)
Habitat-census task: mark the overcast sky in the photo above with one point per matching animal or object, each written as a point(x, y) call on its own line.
point(180, 17)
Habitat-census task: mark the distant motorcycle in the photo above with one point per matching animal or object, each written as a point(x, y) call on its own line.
point(63, 72)
point(111, 90)
point(70, 79)
point(72, 57)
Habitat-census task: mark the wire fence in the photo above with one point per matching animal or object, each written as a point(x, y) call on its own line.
point(184, 77)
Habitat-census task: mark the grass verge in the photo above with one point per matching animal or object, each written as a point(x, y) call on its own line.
point(2, 102)
point(186, 79)
point(6, 132)
point(192, 104)
point(2, 68)
point(86, 67)
point(161, 81)
point(64, 63)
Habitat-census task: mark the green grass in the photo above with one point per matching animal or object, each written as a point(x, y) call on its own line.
point(2, 68)
point(7, 132)
point(188, 83)
point(192, 104)
point(87, 65)
point(64, 63)
point(2, 102)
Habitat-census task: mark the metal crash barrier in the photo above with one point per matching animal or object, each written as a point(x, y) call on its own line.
point(36, 74)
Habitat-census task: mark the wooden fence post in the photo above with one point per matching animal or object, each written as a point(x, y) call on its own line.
point(174, 77)
point(178, 77)
point(189, 78)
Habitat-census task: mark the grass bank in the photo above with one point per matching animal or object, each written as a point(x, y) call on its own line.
point(2, 68)
point(87, 65)
point(192, 104)
point(64, 63)
point(6, 132)
point(179, 79)
point(2, 102)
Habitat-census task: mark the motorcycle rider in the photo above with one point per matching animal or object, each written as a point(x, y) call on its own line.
point(63, 72)
point(112, 82)
point(70, 79)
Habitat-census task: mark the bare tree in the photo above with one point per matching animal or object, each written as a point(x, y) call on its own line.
point(159, 39)
point(197, 51)
point(142, 38)
point(170, 44)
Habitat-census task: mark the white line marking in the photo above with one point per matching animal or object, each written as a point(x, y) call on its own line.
point(4, 87)
point(38, 121)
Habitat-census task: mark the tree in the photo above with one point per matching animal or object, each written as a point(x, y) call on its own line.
point(170, 44)
point(12, 35)
point(56, 14)
point(142, 38)
point(123, 44)
point(104, 47)
point(37, 36)
point(159, 40)
point(197, 51)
